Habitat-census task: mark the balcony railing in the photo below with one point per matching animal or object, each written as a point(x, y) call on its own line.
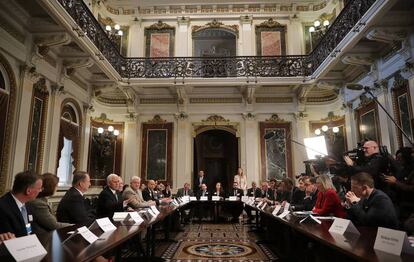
point(238, 66)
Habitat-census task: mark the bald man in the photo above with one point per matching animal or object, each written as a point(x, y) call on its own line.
point(374, 164)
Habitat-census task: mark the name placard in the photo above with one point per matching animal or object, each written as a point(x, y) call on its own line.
point(203, 198)
point(264, 205)
point(276, 210)
point(155, 210)
point(134, 216)
point(105, 224)
point(310, 218)
point(232, 198)
point(186, 198)
point(245, 199)
point(284, 214)
point(215, 198)
point(87, 234)
point(392, 241)
point(259, 204)
point(340, 226)
point(27, 248)
point(151, 213)
point(193, 198)
point(120, 216)
point(286, 206)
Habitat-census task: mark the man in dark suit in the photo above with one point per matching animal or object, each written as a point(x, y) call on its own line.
point(267, 193)
point(203, 192)
point(311, 194)
point(236, 208)
point(201, 179)
point(15, 218)
point(203, 209)
point(186, 212)
point(149, 192)
point(73, 207)
point(110, 199)
point(367, 206)
point(254, 191)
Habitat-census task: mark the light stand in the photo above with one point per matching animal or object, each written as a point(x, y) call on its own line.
point(368, 91)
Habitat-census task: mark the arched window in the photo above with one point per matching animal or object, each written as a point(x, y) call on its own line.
point(7, 107)
point(69, 141)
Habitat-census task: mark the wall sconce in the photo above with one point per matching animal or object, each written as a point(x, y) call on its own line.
point(325, 129)
point(111, 131)
point(318, 31)
point(115, 34)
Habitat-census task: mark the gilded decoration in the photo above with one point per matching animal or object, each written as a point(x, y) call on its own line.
point(157, 120)
point(4, 163)
point(399, 82)
point(159, 26)
point(159, 40)
point(332, 117)
point(216, 24)
point(216, 122)
point(270, 24)
point(276, 119)
point(102, 119)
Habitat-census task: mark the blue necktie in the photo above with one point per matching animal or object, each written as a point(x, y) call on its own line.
point(24, 214)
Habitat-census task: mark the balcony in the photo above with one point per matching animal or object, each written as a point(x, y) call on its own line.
point(218, 67)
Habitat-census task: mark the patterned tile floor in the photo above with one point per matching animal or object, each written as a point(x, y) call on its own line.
point(216, 242)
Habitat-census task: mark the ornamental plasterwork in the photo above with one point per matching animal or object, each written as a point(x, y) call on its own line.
point(332, 117)
point(216, 24)
point(157, 120)
point(276, 119)
point(40, 86)
point(215, 100)
point(270, 24)
point(159, 26)
point(102, 119)
point(216, 122)
point(399, 82)
point(274, 99)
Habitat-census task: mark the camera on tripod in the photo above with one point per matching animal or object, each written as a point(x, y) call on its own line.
point(356, 154)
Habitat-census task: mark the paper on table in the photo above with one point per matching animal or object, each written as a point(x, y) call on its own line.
point(105, 224)
point(87, 234)
point(27, 248)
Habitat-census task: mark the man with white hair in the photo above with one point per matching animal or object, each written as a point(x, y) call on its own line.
point(133, 193)
point(110, 200)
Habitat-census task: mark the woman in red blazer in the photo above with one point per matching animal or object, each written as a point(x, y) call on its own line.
point(327, 201)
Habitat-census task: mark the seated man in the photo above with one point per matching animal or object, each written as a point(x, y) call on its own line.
point(236, 208)
point(73, 207)
point(367, 206)
point(133, 193)
point(185, 191)
point(267, 193)
point(203, 192)
point(15, 218)
point(186, 213)
point(149, 193)
point(203, 209)
point(254, 191)
point(311, 194)
point(110, 200)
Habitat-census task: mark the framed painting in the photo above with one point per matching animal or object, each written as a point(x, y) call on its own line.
point(156, 161)
point(367, 122)
point(159, 40)
point(402, 110)
point(37, 127)
point(270, 39)
point(276, 155)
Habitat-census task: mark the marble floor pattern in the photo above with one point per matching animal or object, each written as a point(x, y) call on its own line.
point(216, 243)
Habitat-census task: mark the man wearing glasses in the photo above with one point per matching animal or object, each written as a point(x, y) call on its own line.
point(374, 164)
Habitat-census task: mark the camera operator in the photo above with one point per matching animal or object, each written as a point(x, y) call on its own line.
point(374, 163)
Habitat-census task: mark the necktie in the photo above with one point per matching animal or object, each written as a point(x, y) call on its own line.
point(116, 196)
point(185, 193)
point(235, 192)
point(24, 214)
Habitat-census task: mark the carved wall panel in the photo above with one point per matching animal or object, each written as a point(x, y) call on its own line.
point(367, 122)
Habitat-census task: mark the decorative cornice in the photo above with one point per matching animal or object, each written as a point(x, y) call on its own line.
point(318, 99)
point(215, 118)
point(332, 117)
point(157, 120)
point(216, 24)
point(46, 41)
point(264, 100)
point(160, 26)
point(276, 119)
point(215, 100)
point(360, 59)
point(40, 86)
point(399, 82)
point(103, 119)
point(248, 116)
point(152, 101)
point(270, 24)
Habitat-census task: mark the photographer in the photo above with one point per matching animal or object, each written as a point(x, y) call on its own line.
point(374, 163)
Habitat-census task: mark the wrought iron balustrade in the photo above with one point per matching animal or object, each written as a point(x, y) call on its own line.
point(239, 66)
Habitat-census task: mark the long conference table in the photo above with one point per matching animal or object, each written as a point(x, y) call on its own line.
point(292, 241)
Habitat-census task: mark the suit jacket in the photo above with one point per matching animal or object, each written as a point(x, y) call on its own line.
point(200, 193)
point(284, 196)
point(148, 195)
point(220, 194)
point(376, 211)
point(180, 192)
point(238, 193)
point(308, 203)
point(108, 204)
point(297, 196)
point(137, 199)
point(166, 194)
point(256, 193)
point(43, 219)
point(197, 182)
point(11, 219)
point(74, 209)
point(328, 203)
point(269, 194)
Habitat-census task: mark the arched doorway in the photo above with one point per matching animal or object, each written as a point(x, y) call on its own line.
point(216, 152)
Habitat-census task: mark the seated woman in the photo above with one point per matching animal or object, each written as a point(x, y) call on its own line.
point(219, 191)
point(43, 219)
point(327, 201)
